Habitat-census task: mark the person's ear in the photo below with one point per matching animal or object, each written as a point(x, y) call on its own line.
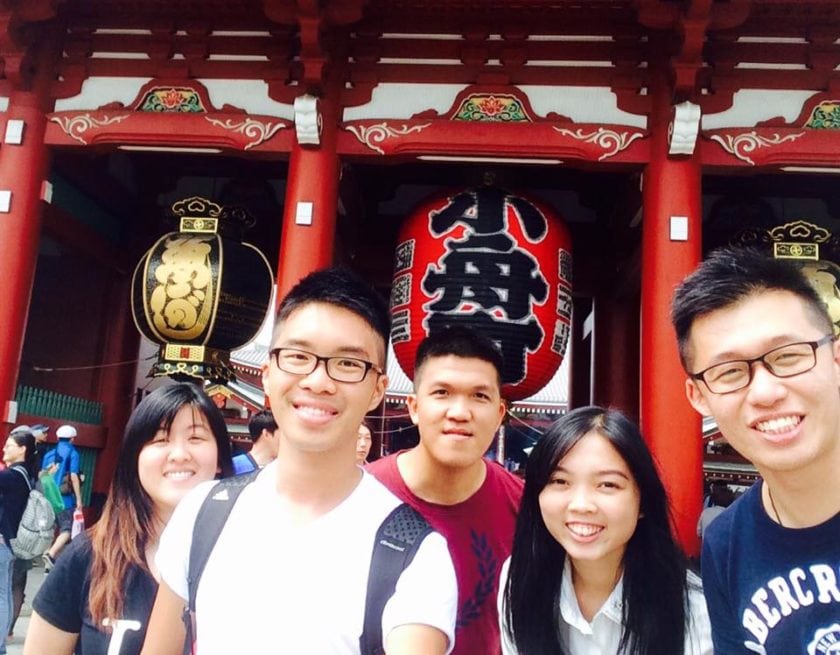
point(264, 374)
point(697, 397)
point(835, 351)
point(378, 391)
point(411, 404)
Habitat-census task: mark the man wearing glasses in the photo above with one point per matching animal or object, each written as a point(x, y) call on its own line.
point(759, 349)
point(306, 524)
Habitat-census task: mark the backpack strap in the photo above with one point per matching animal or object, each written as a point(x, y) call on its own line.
point(209, 523)
point(20, 469)
point(397, 541)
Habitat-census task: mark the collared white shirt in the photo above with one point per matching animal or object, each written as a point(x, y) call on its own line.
point(602, 635)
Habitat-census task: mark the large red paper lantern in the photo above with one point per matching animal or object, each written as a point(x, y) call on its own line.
point(495, 261)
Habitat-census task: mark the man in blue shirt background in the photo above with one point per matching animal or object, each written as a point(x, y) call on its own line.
point(62, 462)
point(263, 432)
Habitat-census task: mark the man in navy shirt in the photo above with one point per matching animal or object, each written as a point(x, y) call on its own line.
point(761, 356)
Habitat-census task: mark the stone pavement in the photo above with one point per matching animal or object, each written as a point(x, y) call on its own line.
point(33, 583)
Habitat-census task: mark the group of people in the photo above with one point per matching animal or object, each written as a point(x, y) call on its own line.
point(581, 559)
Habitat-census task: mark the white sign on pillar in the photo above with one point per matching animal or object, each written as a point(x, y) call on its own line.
point(14, 132)
point(303, 213)
point(679, 228)
point(11, 412)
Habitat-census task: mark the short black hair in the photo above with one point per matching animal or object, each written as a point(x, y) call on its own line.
point(342, 288)
point(260, 421)
point(459, 341)
point(729, 275)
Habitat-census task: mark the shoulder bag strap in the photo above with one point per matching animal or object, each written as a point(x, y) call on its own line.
point(24, 473)
point(209, 522)
point(397, 540)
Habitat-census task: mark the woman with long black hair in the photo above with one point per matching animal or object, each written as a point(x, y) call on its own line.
point(595, 568)
point(98, 598)
point(15, 483)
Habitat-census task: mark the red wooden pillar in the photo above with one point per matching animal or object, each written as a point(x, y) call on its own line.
point(309, 214)
point(672, 201)
point(615, 357)
point(115, 384)
point(22, 170)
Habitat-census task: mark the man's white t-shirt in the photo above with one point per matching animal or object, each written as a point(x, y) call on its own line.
point(273, 587)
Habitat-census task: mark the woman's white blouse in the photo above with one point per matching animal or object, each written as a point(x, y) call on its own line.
point(602, 635)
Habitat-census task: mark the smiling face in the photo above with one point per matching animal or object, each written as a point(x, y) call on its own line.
point(780, 424)
point(457, 408)
point(590, 504)
point(174, 462)
point(12, 452)
point(315, 413)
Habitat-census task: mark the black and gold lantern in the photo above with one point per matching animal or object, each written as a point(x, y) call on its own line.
point(813, 248)
point(199, 293)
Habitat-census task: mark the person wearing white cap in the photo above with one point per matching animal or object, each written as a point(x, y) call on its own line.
point(62, 462)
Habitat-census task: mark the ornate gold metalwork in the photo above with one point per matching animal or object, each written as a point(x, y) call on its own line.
point(788, 250)
point(179, 352)
point(205, 225)
point(800, 231)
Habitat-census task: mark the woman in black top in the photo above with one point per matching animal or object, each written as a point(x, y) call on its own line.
point(19, 457)
point(98, 597)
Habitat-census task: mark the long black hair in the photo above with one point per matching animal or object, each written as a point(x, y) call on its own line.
point(654, 615)
point(127, 525)
point(26, 440)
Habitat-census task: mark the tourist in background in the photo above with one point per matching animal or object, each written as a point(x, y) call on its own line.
point(16, 481)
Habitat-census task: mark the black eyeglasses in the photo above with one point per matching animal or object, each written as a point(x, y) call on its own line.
point(339, 368)
point(783, 362)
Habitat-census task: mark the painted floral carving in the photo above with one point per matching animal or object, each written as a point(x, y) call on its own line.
point(371, 135)
point(740, 145)
point(825, 116)
point(610, 141)
point(76, 126)
point(257, 131)
point(173, 100)
point(491, 108)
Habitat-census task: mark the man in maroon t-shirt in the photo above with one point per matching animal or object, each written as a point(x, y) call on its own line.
point(457, 407)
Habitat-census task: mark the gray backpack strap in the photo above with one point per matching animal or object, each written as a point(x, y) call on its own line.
point(397, 540)
point(209, 522)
